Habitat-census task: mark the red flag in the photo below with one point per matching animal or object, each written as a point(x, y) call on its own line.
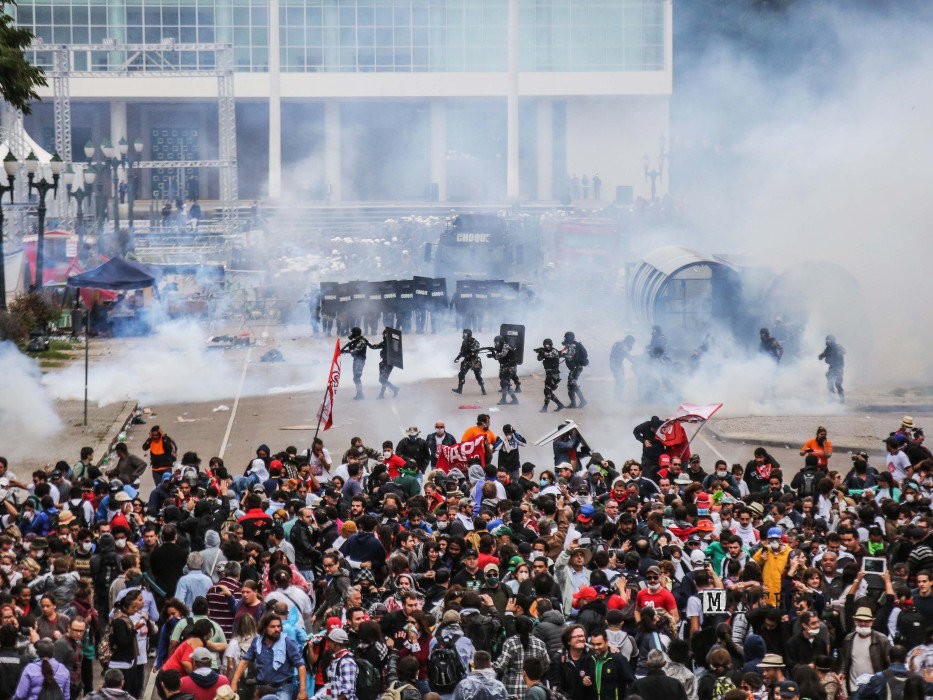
point(456, 456)
point(672, 432)
point(326, 414)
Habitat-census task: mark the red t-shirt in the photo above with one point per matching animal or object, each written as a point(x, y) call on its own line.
point(662, 599)
point(484, 559)
point(394, 463)
point(182, 653)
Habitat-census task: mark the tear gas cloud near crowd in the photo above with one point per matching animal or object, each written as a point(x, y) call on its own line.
point(821, 164)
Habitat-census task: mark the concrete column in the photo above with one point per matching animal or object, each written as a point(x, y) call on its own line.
point(118, 122)
point(439, 147)
point(545, 150)
point(275, 104)
point(512, 166)
point(332, 152)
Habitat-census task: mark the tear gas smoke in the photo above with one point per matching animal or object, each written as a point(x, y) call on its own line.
point(26, 412)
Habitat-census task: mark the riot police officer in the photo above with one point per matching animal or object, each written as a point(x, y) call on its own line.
point(356, 347)
point(770, 346)
point(576, 358)
point(834, 355)
point(505, 354)
point(385, 369)
point(657, 345)
point(469, 359)
point(621, 351)
point(549, 356)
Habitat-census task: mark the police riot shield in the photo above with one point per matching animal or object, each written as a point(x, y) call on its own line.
point(344, 307)
point(439, 291)
point(394, 348)
point(514, 335)
point(329, 299)
point(389, 300)
point(357, 299)
point(422, 301)
point(372, 307)
point(406, 304)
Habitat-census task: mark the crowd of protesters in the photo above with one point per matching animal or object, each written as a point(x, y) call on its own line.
point(402, 574)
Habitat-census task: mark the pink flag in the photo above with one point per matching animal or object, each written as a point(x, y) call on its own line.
point(326, 414)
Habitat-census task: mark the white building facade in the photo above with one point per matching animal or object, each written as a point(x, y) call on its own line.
point(355, 101)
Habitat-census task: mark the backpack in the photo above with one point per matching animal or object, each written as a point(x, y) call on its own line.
point(51, 691)
point(580, 356)
point(369, 680)
point(807, 482)
point(445, 669)
point(911, 630)
point(401, 691)
point(894, 685)
point(78, 512)
point(723, 686)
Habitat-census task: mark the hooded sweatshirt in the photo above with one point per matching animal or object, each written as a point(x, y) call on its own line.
point(202, 683)
point(213, 557)
point(754, 651)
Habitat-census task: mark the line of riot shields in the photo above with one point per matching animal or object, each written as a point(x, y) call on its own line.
point(418, 305)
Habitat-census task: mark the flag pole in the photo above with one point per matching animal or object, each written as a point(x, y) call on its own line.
point(320, 412)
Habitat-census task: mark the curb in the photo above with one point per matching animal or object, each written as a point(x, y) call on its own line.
point(105, 446)
point(784, 444)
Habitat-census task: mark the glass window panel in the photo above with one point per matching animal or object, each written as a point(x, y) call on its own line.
point(81, 35)
point(365, 16)
point(43, 14)
point(206, 34)
point(384, 58)
point(61, 15)
point(260, 58)
point(260, 36)
point(294, 36)
point(152, 16)
point(366, 36)
point(241, 16)
point(348, 16)
point(419, 17)
point(24, 15)
point(61, 35)
point(240, 36)
point(383, 37)
point(241, 56)
point(402, 36)
point(383, 16)
point(152, 34)
point(189, 16)
point(260, 17)
point(419, 37)
point(366, 59)
point(419, 59)
point(98, 34)
point(402, 16)
point(170, 15)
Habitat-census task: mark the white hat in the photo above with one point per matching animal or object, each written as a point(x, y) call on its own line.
point(338, 635)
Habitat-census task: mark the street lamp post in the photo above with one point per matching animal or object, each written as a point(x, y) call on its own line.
point(75, 185)
point(115, 157)
point(131, 159)
point(655, 174)
point(9, 167)
point(42, 188)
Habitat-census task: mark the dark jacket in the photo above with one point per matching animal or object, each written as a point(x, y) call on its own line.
point(877, 651)
point(658, 686)
point(800, 650)
point(566, 675)
point(432, 443)
point(611, 676)
point(652, 453)
point(549, 631)
point(168, 565)
point(364, 546)
point(302, 539)
point(123, 639)
point(415, 450)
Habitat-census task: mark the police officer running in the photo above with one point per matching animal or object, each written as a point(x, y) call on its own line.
point(575, 357)
point(505, 354)
point(385, 369)
point(835, 356)
point(469, 354)
point(356, 348)
point(550, 357)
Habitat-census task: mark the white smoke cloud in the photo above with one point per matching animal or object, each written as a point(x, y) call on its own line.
point(26, 412)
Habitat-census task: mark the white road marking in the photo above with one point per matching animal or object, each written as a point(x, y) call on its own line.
point(711, 447)
point(236, 402)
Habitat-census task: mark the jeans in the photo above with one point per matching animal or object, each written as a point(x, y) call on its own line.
point(242, 483)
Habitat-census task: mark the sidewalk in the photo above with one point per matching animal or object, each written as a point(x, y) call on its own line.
point(848, 433)
point(105, 423)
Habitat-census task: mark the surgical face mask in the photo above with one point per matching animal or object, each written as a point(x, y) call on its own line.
point(522, 576)
point(492, 580)
point(6, 568)
point(439, 432)
point(39, 554)
point(386, 454)
point(27, 546)
point(863, 631)
point(28, 514)
point(909, 498)
point(720, 474)
point(774, 545)
point(813, 633)
point(359, 449)
point(441, 525)
point(653, 587)
point(121, 542)
point(87, 546)
point(545, 482)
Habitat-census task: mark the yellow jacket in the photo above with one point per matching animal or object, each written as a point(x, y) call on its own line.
point(772, 565)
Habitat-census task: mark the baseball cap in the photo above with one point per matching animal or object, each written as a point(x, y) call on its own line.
point(338, 635)
point(586, 513)
point(789, 689)
point(491, 567)
point(201, 654)
point(775, 533)
point(665, 460)
point(705, 525)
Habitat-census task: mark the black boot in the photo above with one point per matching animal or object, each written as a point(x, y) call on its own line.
point(544, 407)
point(573, 402)
point(459, 389)
point(501, 401)
point(518, 388)
point(394, 390)
point(482, 388)
point(560, 406)
point(513, 397)
point(583, 401)
point(359, 395)
point(382, 392)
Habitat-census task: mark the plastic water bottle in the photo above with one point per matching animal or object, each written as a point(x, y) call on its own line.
point(121, 437)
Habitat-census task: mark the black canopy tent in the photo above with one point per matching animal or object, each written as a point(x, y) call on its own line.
point(116, 275)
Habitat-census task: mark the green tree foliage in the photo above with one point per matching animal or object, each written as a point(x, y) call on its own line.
point(18, 78)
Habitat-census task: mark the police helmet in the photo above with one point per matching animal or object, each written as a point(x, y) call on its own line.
point(548, 343)
point(569, 337)
point(355, 332)
point(497, 340)
point(467, 333)
point(764, 332)
point(830, 339)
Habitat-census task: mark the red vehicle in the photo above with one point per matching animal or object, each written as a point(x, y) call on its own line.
point(582, 241)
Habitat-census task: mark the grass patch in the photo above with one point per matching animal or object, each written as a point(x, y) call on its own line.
point(47, 365)
point(52, 355)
